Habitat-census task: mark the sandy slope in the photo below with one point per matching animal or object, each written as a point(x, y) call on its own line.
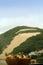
point(18, 40)
point(24, 30)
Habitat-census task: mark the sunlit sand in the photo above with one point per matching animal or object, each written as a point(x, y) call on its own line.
point(18, 40)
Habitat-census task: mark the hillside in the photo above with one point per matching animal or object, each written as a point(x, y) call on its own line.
point(7, 37)
point(24, 40)
point(31, 44)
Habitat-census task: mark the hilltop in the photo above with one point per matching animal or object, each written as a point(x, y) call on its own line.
point(21, 39)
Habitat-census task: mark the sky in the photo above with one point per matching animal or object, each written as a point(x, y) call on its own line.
point(20, 12)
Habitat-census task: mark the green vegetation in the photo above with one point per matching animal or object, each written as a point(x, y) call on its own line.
point(26, 46)
point(33, 56)
point(31, 44)
point(7, 37)
point(40, 58)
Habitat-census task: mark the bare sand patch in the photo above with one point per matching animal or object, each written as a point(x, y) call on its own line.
point(18, 40)
point(24, 30)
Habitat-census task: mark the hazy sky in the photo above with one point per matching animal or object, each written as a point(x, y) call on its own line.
point(20, 12)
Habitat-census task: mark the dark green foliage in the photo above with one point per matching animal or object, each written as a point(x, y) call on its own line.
point(33, 56)
point(26, 47)
point(40, 60)
point(31, 44)
point(40, 55)
point(7, 37)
